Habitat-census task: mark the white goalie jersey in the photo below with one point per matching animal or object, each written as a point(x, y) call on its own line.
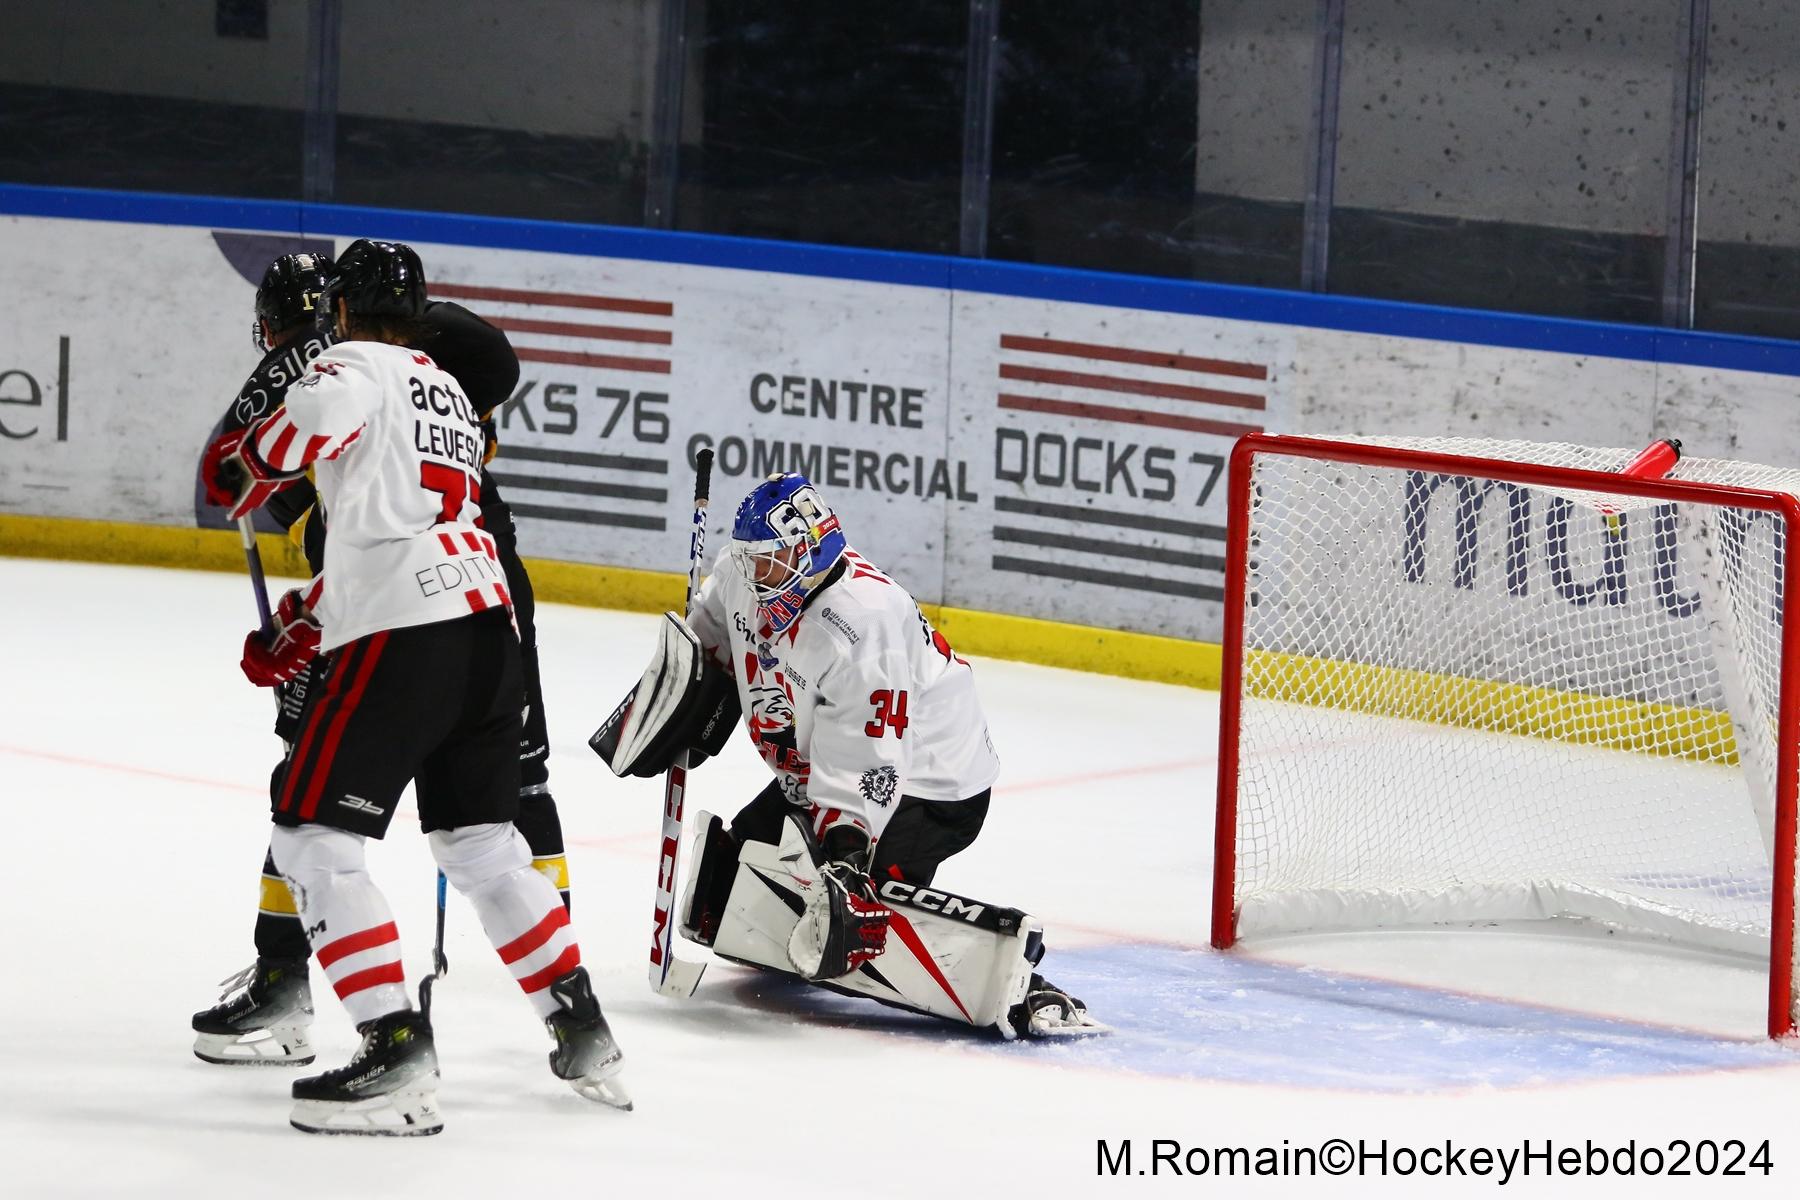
point(396, 451)
point(857, 703)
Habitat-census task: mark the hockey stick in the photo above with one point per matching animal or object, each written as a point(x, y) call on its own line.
point(670, 976)
point(440, 966)
point(253, 559)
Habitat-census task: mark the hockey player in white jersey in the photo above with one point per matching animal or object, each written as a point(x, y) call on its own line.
point(882, 769)
point(422, 683)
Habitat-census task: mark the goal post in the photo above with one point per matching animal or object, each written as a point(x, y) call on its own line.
point(1469, 680)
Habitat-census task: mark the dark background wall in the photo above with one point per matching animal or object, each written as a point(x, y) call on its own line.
point(1626, 160)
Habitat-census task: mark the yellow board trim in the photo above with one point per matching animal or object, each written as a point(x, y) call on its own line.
point(1696, 734)
point(994, 635)
point(277, 899)
point(1700, 735)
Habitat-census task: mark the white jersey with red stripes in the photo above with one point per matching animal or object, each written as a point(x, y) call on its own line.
point(396, 452)
point(857, 703)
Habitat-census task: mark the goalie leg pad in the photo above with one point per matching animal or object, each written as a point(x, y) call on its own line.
point(948, 956)
point(709, 884)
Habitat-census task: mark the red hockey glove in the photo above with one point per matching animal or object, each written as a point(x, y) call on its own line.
point(236, 477)
point(844, 925)
point(292, 644)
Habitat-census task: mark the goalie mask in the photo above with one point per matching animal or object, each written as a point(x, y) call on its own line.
point(783, 538)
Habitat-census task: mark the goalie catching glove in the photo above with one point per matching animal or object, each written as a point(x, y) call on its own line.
point(845, 923)
point(683, 702)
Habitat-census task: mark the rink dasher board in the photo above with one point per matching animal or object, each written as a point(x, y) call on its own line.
point(1044, 457)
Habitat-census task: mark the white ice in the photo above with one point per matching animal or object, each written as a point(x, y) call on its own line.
point(133, 769)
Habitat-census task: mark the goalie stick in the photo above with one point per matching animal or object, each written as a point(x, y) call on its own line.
point(670, 976)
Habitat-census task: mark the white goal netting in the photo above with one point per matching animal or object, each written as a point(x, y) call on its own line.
point(1469, 699)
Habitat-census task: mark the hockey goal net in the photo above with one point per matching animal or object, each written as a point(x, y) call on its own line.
point(1469, 680)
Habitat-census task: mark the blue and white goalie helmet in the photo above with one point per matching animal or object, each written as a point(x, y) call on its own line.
point(783, 536)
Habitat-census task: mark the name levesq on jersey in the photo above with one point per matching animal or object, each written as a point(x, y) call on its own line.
point(857, 703)
point(396, 451)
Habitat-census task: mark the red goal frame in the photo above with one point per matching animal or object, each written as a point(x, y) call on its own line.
point(1237, 546)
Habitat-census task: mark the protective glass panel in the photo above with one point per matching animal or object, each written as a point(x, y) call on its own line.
point(1251, 162)
point(1094, 137)
point(825, 122)
point(1507, 156)
point(189, 96)
point(535, 108)
point(1749, 237)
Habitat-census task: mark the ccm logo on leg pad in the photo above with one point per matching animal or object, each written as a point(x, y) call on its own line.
point(932, 901)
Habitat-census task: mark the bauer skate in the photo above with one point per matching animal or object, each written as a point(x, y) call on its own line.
point(586, 1056)
point(262, 1017)
point(387, 1089)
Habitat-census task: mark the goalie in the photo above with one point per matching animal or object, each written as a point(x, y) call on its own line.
point(882, 769)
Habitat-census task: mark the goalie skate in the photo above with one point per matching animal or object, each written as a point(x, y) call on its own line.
point(262, 1018)
point(388, 1088)
point(1049, 1012)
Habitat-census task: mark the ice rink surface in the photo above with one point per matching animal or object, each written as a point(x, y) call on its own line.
point(133, 767)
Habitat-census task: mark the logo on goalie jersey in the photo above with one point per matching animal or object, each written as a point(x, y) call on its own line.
point(878, 784)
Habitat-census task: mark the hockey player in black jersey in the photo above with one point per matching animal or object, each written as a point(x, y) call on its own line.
point(265, 1013)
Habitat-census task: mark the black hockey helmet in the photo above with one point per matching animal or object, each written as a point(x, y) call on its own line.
point(289, 293)
point(384, 279)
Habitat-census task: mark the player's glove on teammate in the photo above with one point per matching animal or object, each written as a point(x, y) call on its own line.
point(845, 924)
point(236, 477)
point(284, 652)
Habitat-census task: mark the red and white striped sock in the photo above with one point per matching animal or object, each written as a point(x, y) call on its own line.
point(364, 968)
point(347, 919)
point(519, 907)
point(524, 917)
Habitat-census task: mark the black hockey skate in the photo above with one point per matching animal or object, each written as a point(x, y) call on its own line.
point(388, 1088)
point(586, 1056)
point(1047, 1011)
point(261, 1019)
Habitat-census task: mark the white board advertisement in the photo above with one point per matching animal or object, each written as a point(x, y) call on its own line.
point(1002, 453)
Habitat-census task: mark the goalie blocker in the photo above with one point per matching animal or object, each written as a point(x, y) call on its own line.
point(683, 702)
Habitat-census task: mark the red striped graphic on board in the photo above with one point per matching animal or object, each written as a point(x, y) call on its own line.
point(1131, 385)
point(543, 329)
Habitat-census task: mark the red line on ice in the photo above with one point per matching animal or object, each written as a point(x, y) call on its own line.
point(95, 764)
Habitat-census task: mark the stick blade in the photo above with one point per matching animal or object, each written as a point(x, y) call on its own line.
point(680, 981)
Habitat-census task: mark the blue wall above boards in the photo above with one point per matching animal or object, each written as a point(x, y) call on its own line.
point(1299, 309)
